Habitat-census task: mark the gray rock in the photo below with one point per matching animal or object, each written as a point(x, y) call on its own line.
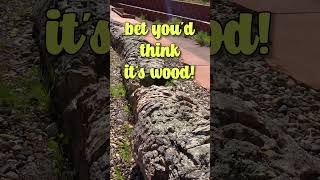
point(12, 175)
point(31, 158)
point(52, 130)
point(21, 157)
point(283, 109)
point(235, 85)
point(315, 148)
point(5, 146)
point(17, 147)
point(27, 152)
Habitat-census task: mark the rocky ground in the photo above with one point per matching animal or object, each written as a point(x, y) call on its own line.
point(122, 162)
point(25, 121)
point(265, 124)
point(272, 128)
point(79, 88)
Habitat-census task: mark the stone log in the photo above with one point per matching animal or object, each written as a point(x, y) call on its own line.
point(79, 88)
point(128, 48)
point(172, 125)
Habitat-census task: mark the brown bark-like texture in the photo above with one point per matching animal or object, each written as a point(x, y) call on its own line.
point(80, 88)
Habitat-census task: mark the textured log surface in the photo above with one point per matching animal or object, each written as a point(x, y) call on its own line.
point(80, 88)
point(172, 128)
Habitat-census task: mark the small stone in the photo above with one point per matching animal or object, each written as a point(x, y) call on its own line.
point(17, 147)
point(301, 117)
point(2, 156)
point(5, 168)
point(12, 175)
point(291, 83)
point(315, 148)
point(283, 109)
point(277, 100)
point(4, 146)
point(30, 158)
point(52, 130)
point(7, 137)
point(119, 121)
point(21, 157)
point(40, 138)
point(26, 53)
point(235, 85)
point(27, 152)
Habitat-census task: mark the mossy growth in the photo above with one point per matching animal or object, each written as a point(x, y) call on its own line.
point(175, 20)
point(157, 22)
point(118, 174)
point(142, 17)
point(56, 144)
point(128, 128)
point(202, 38)
point(126, 109)
point(25, 91)
point(169, 83)
point(125, 150)
point(117, 91)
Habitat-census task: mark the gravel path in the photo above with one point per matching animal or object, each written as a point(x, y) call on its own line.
point(264, 118)
point(122, 162)
point(24, 153)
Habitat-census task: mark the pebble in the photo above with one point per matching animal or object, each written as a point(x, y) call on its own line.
point(31, 158)
point(27, 152)
point(12, 175)
point(17, 147)
point(291, 83)
point(2, 156)
point(52, 130)
point(235, 85)
point(21, 157)
point(315, 148)
point(4, 146)
point(7, 137)
point(283, 109)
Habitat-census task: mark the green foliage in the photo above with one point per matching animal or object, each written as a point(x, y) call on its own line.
point(157, 22)
point(169, 83)
point(56, 146)
point(25, 91)
point(174, 21)
point(8, 97)
point(118, 174)
point(125, 150)
point(117, 91)
point(56, 156)
point(39, 92)
point(142, 17)
point(126, 109)
point(202, 38)
point(128, 128)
